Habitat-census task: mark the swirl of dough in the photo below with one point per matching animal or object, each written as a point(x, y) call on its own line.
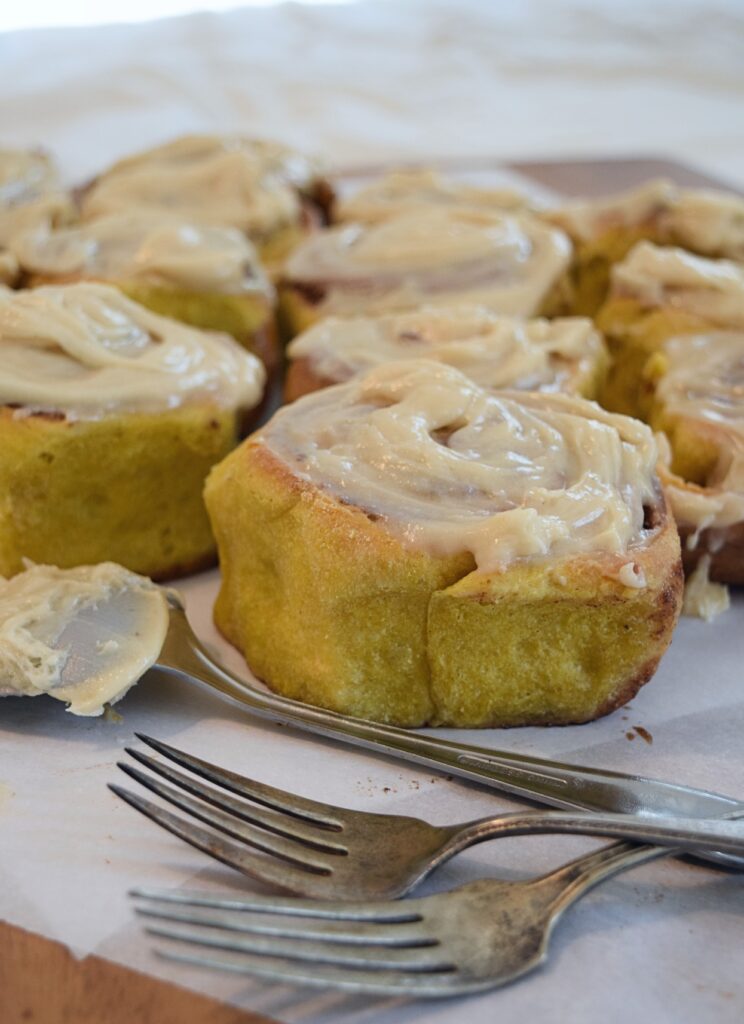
point(449, 467)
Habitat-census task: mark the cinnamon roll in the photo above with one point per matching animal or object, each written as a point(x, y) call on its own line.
point(409, 189)
point(436, 256)
point(30, 194)
point(411, 548)
point(703, 221)
point(199, 274)
point(110, 418)
point(495, 351)
point(657, 293)
point(257, 187)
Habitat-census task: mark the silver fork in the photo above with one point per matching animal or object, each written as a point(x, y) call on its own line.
point(318, 850)
point(476, 937)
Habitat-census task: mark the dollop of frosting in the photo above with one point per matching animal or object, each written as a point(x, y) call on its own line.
point(38, 606)
point(411, 189)
point(707, 221)
point(203, 179)
point(704, 385)
point(160, 250)
point(86, 350)
point(450, 467)
point(436, 255)
point(669, 276)
point(493, 350)
point(30, 193)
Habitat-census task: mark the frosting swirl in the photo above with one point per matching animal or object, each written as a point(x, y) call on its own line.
point(494, 351)
point(655, 276)
point(704, 220)
point(215, 184)
point(86, 350)
point(410, 189)
point(139, 247)
point(449, 466)
point(506, 262)
point(30, 193)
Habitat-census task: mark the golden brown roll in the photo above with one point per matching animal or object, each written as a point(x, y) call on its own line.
point(495, 351)
point(110, 419)
point(410, 548)
point(433, 256)
point(703, 221)
point(228, 181)
point(206, 276)
point(409, 189)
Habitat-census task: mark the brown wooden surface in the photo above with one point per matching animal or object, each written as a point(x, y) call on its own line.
point(40, 982)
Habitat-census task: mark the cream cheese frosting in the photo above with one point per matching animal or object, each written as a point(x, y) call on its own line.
point(87, 351)
point(435, 255)
point(495, 351)
point(140, 247)
point(450, 467)
point(669, 276)
point(30, 193)
point(410, 189)
point(708, 221)
point(214, 184)
point(704, 384)
point(38, 612)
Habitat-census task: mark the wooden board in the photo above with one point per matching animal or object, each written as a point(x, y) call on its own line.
point(97, 991)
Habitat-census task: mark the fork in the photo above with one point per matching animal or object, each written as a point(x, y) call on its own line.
point(319, 850)
point(473, 938)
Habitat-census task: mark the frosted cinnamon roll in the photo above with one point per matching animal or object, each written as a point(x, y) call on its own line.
point(412, 548)
point(657, 293)
point(30, 194)
point(410, 189)
point(110, 418)
point(698, 403)
point(436, 256)
point(495, 351)
point(226, 181)
point(202, 275)
point(703, 221)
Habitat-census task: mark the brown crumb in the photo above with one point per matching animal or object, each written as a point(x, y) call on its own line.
point(630, 735)
point(644, 734)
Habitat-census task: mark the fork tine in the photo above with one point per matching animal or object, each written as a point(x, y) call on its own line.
point(326, 976)
point(317, 951)
point(320, 814)
point(384, 911)
point(264, 830)
point(287, 876)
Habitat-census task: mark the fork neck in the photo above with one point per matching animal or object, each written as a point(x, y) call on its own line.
point(572, 880)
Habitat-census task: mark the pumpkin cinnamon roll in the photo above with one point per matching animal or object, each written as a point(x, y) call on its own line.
point(495, 351)
point(658, 293)
point(202, 275)
point(30, 194)
point(703, 221)
point(411, 548)
point(439, 256)
point(260, 188)
point(110, 419)
point(410, 189)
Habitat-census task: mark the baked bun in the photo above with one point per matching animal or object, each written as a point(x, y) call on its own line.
point(658, 293)
point(703, 221)
point(110, 419)
point(698, 403)
point(410, 548)
point(495, 351)
point(226, 181)
point(437, 255)
point(199, 274)
point(409, 189)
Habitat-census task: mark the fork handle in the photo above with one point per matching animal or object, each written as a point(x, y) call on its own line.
point(679, 833)
point(548, 782)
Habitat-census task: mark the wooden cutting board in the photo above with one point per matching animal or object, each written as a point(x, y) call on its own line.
point(40, 981)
